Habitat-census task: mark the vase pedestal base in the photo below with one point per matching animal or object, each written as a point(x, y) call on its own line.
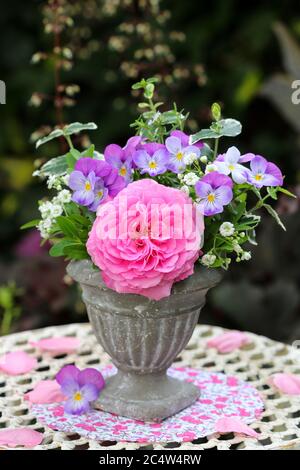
point(150, 397)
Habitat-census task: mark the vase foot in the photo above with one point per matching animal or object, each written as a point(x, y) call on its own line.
point(149, 398)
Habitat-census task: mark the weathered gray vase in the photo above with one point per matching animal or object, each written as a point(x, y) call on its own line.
point(143, 337)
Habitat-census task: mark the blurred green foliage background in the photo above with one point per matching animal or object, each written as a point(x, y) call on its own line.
point(64, 61)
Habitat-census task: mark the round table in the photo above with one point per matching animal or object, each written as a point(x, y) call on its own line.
point(255, 362)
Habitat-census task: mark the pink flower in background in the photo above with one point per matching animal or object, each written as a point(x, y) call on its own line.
point(153, 241)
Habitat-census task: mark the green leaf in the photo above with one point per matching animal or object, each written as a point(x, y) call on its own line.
point(286, 192)
point(53, 135)
point(75, 153)
point(272, 191)
point(204, 134)
point(89, 152)
point(32, 223)
point(149, 90)
point(274, 214)
point(56, 166)
point(58, 249)
point(230, 127)
point(224, 127)
point(67, 226)
point(76, 251)
point(76, 127)
point(71, 160)
point(143, 105)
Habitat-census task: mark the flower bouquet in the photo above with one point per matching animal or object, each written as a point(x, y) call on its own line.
point(146, 228)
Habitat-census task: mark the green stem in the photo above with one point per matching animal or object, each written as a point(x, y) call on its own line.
point(216, 148)
point(69, 140)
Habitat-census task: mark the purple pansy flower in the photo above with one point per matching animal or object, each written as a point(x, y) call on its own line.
point(229, 163)
point(152, 159)
point(81, 388)
point(264, 173)
point(121, 158)
point(92, 181)
point(185, 139)
point(178, 148)
point(214, 191)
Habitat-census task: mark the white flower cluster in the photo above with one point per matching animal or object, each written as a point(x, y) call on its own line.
point(208, 259)
point(190, 158)
point(226, 229)
point(50, 210)
point(190, 179)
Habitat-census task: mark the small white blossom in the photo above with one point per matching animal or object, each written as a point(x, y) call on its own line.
point(65, 179)
point(190, 179)
point(237, 248)
point(210, 167)
point(44, 228)
point(190, 158)
point(246, 256)
point(180, 176)
point(203, 159)
point(56, 210)
point(45, 209)
point(226, 229)
point(208, 259)
point(185, 189)
point(54, 182)
point(64, 196)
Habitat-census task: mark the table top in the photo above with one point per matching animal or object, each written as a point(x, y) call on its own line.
point(255, 362)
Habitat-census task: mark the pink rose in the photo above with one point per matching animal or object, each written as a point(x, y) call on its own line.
point(145, 239)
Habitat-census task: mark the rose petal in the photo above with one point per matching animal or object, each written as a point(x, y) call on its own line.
point(20, 437)
point(232, 424)
point(18, 362)
point(227, 342)
point(45, 391)
point(59, 345)
point(287, 383)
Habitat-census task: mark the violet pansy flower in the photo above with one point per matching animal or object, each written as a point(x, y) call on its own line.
point(180, 151)
point(92, 181)
point(229, 163)
point(121, 158)
point(264, 173)
point(81, 388)
point(214, 191)
point(153, 159)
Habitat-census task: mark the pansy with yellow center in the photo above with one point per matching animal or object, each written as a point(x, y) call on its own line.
point(80, 387)
point(230, 163)
point(179, 154)
point(264, 173)
point(153, 160)
point(214, 191)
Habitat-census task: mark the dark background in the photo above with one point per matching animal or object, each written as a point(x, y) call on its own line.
point(244, 55)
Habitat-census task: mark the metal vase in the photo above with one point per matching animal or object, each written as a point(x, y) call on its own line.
point(143, 337)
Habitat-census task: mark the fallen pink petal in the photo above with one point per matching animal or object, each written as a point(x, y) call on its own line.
point(46, 391)
point(228, 341)
point(16, 363)
point(59, 345)
point(287, 383)
point(232, 424)
point(25, 437)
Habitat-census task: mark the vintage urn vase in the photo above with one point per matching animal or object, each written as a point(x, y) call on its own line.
point(143, 338)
